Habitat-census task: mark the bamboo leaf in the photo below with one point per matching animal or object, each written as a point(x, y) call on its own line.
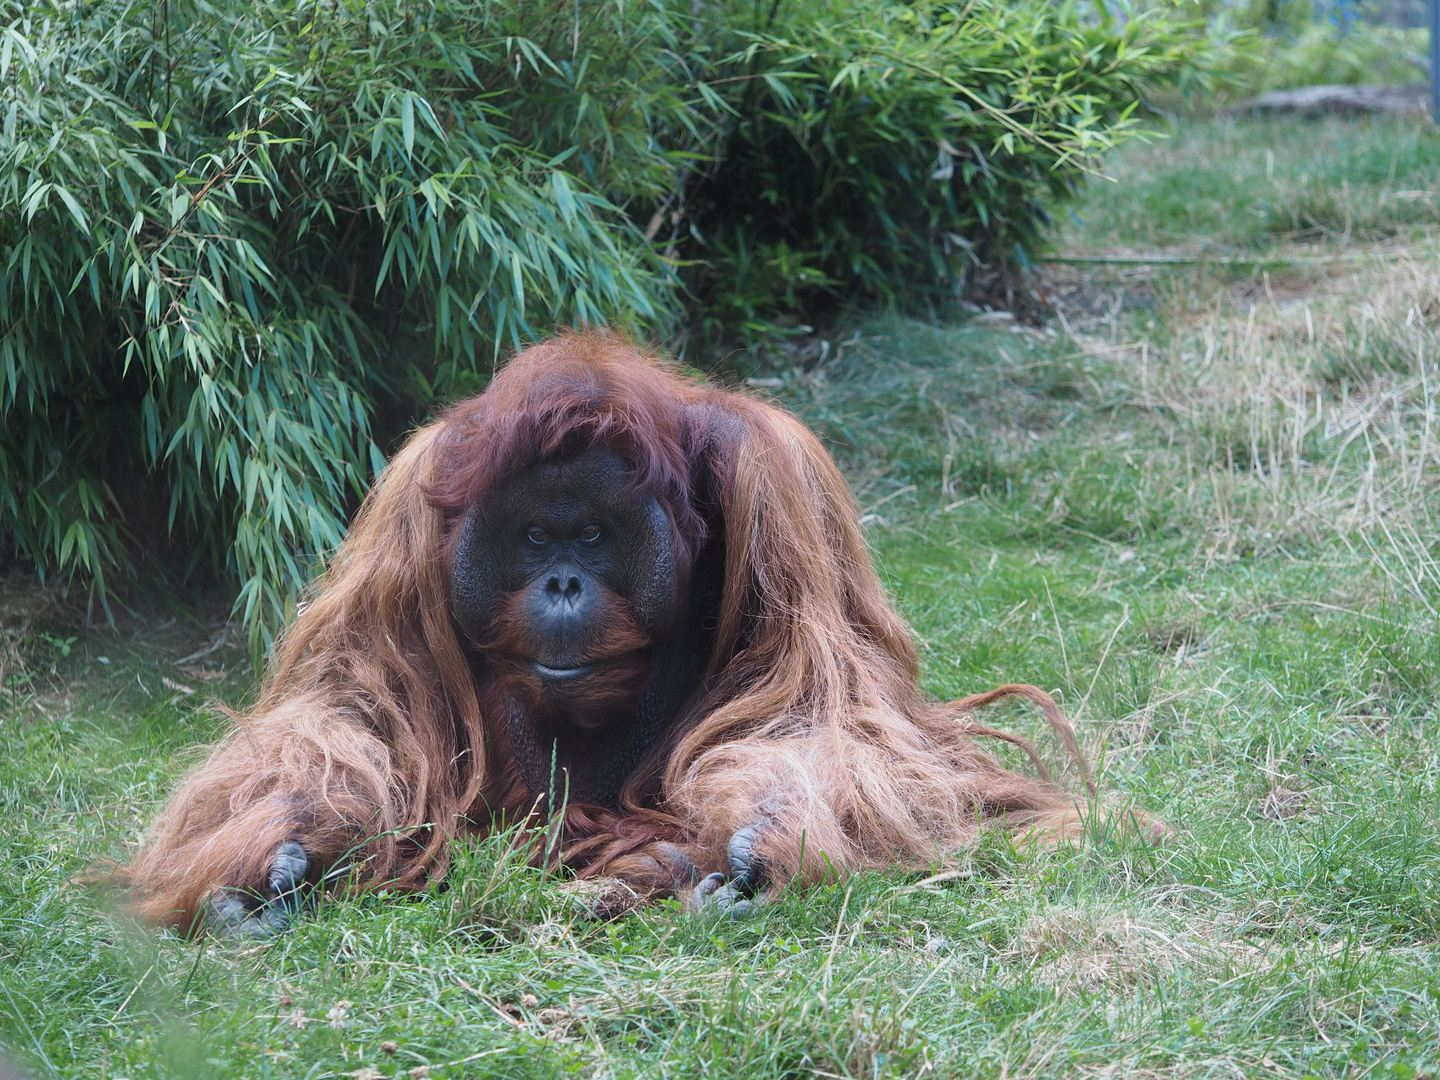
point(407, 121)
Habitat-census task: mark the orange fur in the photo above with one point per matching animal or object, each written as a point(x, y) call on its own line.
point(377, 738)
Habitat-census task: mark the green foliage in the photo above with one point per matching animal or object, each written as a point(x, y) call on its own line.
point(1304, 43)
point(230, 231)
point(886, 152)
point(1321, 54)
point(244, 245)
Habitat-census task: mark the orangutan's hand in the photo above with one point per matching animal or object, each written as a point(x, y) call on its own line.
point(240, 914)
point(739, 894)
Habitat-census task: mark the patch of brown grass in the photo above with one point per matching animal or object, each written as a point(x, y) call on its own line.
point(1092, 948)
point(1303, 412)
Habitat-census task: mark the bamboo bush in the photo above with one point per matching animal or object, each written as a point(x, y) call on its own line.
point(896, 153)
point(244, 245)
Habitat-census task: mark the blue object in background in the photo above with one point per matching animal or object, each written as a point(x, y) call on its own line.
point(1344, 13)
point(1435, 60)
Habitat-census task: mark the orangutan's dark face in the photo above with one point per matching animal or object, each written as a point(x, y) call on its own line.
point(565, 580)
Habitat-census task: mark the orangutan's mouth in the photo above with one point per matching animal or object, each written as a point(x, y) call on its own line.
point(548, 672)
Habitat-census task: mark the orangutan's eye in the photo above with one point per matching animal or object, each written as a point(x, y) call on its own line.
point(537, 535)
point(589, 534)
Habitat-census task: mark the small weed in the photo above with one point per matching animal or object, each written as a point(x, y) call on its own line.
point(59, 647)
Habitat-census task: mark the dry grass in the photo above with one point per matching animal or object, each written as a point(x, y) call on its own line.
point(24, 602)
point(1310, 419)
point(1094, 949)
point(1287, 414)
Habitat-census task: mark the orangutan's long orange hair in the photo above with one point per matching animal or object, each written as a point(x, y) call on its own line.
point(377, 737)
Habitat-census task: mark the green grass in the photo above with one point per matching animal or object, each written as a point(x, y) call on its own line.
point(1201, 516)
point(1222, 185)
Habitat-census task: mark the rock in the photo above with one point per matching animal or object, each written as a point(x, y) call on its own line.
point(1311, 101)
